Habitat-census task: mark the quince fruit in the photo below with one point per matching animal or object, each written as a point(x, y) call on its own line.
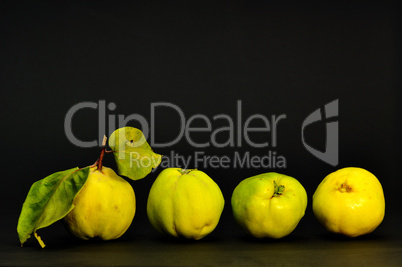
point(184, 203)
point(269, 204)
point(104, 208)
point(349, 201)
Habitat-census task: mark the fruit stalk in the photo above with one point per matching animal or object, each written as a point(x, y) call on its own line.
point(345, 188)
point(99, 161)
point(185, 171)
point(278, 189)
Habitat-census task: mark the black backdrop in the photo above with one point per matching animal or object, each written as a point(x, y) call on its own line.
point(276, 59)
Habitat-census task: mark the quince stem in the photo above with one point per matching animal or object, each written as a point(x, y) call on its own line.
point(345, 188)
point(98, 163)
point(278, 189)
point(185, 171)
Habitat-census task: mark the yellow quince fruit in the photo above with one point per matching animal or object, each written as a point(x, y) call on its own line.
point(269, 204)
point(104, 208)
point(349, 201)
point(184, 203)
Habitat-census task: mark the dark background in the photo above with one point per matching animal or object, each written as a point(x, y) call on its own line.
point(288, 58)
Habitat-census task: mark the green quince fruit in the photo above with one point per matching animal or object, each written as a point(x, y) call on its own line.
point(184, 203)
point(269, 205)
point(104, 208)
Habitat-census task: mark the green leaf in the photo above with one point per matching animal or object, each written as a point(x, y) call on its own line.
point(49, 200)
point(134, 156)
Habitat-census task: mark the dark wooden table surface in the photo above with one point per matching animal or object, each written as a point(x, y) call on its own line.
point(311, 247)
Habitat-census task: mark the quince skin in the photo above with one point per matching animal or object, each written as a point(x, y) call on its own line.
point(104, 208)
point(184, 203)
